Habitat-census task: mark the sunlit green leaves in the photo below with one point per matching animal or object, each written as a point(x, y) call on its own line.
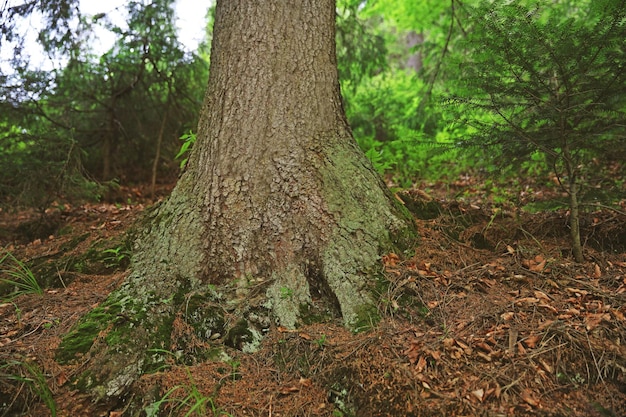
point(188, 140)
point(417, 15)
point(361, 47)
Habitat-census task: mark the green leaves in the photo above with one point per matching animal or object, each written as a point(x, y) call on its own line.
point(361, 47)
point(18, 276)
point(546, 77)
point(188, 140)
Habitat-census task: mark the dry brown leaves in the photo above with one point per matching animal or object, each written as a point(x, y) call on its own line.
point(510, 331)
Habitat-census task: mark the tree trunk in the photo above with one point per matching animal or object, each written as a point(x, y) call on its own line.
point(574, 222)
point(574, 216)
point(279, 217)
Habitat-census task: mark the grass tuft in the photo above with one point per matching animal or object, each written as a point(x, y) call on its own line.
point(18, 276)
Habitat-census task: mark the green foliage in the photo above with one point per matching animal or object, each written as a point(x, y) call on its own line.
point(195, 403)
point(513, 71)
point(509, 71)
point(188, 140)
point(129, 103)
point(393, 118)
point(38, 167)
point(117, 257)
point(383, 113)
point(420, 15)
point(102, 116)
point(383, 105)
point(552, 80)
point(321, 342)
point(551, 83)
point(361, 47)
point(380, 163)
point(20, 279)
point(286, 293)
point(31, 376)
point(57, 35)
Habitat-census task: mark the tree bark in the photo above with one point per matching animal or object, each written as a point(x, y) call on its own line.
point(279, 213)
point(574, 216)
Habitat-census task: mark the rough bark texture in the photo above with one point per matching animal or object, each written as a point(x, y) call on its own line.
point(278, 209)
point(291, 198)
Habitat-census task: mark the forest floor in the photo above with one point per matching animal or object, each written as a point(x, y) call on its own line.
point(490, 316)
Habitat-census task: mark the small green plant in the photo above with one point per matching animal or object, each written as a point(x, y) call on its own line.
point(552, 82)
point(20, 277)
point(286, 293)
point(116, 257)
point(188, 140)
point(152, 410)
point(31, 376)
point(51, 324)
point(18, 314)
point(234, 366)
point(379, 161)
point(195, 403)
point(321, 341)
point(576, 380)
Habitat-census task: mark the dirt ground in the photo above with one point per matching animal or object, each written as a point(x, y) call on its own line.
point(489, 317)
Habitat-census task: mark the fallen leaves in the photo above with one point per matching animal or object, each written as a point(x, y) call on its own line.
point(500, 333)
point(597, 272)
point(537, 264)
point(531, 341)
point(530, 397)
point(560, 315)
point(593, 320)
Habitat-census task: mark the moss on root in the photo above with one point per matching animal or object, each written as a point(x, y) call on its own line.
point(367, 317)
point(121, 324)
point(80, 340)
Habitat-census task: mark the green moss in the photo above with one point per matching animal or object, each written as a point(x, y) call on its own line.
point(367, 317)
point(310, 314)
point(126, 324)
point(84, 381)
point(82, 337)
point(119, 334)
point(121, 315)
point(405, 239)
point(161, 340)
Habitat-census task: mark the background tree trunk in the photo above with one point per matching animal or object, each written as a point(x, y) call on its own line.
point(279, 211)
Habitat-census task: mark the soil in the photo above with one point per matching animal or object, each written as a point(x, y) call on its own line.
point(490, 316)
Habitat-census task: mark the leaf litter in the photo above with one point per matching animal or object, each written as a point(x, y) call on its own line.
point(501, 325)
